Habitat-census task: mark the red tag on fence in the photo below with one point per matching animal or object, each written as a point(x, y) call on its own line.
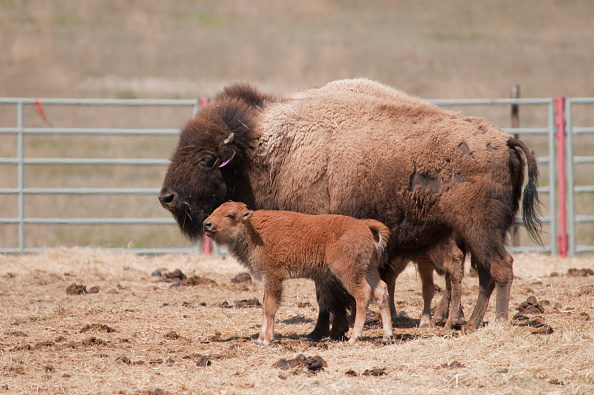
point(41, 112)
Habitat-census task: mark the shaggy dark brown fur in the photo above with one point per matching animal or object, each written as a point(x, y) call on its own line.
point(362, 149)
point(277, 245)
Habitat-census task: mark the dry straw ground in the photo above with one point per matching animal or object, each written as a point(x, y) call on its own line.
point(140, 334)
point(192, 48)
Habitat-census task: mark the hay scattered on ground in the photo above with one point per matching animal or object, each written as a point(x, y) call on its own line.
point(141, 334)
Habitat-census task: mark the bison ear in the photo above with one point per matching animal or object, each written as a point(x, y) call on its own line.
point(230, 139)
point(246, 215)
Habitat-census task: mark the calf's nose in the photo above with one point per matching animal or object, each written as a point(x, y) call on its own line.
point(207, 225)
point(168, 198)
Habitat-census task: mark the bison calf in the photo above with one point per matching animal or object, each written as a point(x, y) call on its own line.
point(277, 245)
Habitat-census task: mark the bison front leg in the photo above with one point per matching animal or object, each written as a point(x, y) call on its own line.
point(322, 328)
point(272, 297)
point(332, 298)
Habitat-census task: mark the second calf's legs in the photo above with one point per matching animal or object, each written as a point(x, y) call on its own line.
point(380, 294)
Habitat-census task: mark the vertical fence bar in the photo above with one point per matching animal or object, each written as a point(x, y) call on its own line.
point(21, 174)
point(569, 169)
point(195, 109)
point(552, 178)
point(560, 124)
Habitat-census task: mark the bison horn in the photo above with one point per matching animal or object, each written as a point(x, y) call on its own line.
point(229, 139)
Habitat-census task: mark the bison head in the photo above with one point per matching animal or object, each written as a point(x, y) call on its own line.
point(207, 163)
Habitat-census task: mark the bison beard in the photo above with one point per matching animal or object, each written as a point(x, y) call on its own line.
point(359, 148)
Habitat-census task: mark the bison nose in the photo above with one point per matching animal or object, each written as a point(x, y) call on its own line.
point(168, 198)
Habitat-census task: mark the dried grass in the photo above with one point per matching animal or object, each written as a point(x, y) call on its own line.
point(54, 342)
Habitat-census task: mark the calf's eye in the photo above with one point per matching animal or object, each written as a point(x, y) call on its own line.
point(230, 216)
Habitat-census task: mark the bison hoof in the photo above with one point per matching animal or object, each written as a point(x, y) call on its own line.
point(339, 335)
point(317, 335)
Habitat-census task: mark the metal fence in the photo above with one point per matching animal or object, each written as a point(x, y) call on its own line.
point(572, 161)
point(547, 130)
point(21, 160)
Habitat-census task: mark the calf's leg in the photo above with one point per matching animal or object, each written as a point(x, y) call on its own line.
point(389, 273)
point(443, 307)
point(361, 291)
point(272, 297)
point(380, 294)
point(486, 286)
point(454, 265)
point(425, 268)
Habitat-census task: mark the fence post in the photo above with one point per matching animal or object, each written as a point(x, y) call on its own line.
point(515, 123)
point(560, 135)
point(206, 242)
point(21, 174)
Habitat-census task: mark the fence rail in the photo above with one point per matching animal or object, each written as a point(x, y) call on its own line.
point(21, 160)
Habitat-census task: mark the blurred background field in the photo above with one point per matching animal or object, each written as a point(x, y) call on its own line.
point(191, 49)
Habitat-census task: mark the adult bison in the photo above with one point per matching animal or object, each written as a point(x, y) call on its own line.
point(360, 148)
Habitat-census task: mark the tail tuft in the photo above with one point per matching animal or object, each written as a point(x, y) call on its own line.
point(530, 202)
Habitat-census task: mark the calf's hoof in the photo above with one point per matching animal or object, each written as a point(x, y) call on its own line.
point(354, 339)
point(263, 342)
point(425, 322)
point(468, 328)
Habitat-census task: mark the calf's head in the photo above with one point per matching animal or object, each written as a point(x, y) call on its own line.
point(227, 222)
point(210, 156)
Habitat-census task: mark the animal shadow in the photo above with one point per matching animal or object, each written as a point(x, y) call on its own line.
point(297, 319)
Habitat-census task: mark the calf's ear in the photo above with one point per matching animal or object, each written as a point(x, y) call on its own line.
point(246, 215)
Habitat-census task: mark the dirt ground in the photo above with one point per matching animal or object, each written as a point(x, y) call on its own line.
point(135, 331)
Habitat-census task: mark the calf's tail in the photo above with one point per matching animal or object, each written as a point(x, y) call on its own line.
point(381, 234)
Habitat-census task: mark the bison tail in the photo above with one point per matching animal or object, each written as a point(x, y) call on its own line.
point(530, 202)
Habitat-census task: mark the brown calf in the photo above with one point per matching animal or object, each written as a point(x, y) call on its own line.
point(278, 245)
point(446, 258)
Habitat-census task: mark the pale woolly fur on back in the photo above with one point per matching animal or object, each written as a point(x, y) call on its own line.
point(424, 136)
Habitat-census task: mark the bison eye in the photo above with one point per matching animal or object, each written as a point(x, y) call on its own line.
point(230, 216)
point(205, 159)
